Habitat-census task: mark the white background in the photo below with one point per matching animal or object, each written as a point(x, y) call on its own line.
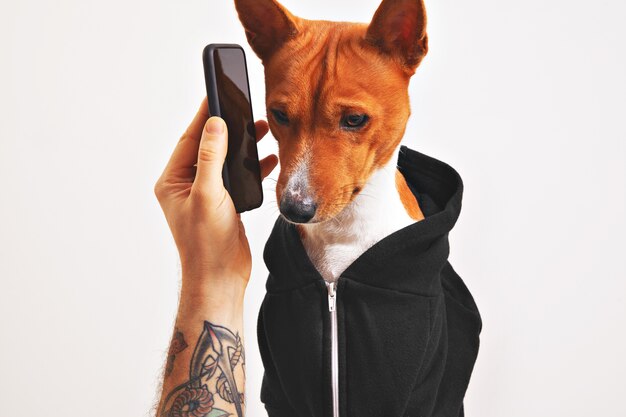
point(526, 99)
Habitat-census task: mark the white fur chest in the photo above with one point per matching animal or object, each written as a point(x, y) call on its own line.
point(374, 214)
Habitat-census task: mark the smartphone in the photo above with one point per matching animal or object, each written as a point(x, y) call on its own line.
point(228, 92)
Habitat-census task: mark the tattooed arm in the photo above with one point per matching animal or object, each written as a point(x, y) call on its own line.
point(205, 369)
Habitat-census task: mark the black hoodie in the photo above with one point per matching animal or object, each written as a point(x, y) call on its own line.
point(406, 325)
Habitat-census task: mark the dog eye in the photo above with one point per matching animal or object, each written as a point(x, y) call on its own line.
point(280, 116)
point(354, 121)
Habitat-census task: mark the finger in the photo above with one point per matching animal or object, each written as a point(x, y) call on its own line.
point(185, 155)
point(210, 157)
point(261, 127)
point(267, 165)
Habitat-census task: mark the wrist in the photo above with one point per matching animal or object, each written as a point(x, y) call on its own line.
point(214, 288)
point(205, 274)
point(215, 301)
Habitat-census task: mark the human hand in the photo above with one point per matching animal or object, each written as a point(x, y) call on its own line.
point(208, 232)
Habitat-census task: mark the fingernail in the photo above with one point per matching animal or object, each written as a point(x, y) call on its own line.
point(215, 126)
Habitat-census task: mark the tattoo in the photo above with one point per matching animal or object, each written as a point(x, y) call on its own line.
point(178, 345)
point(217, 363)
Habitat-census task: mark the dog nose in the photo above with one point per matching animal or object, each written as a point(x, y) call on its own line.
point(297, 209)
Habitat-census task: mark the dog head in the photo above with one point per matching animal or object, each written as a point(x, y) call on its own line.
point(337, 97)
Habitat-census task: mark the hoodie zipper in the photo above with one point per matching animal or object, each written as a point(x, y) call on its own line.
point(334, 348)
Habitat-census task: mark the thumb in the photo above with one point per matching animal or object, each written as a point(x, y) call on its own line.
point(211, 156)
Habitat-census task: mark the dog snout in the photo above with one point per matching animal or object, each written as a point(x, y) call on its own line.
point(297, 207)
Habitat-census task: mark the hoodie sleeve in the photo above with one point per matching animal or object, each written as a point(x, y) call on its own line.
point(272, 394)
point(463, 329)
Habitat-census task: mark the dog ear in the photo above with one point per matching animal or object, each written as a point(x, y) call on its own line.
point(399, 29)
point(268, 25)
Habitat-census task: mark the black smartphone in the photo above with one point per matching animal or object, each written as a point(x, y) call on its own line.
point(228, 91)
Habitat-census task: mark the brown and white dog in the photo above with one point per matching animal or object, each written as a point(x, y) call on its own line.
point(338, 104)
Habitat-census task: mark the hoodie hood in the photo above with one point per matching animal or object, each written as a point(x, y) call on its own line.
point(438, 189)
point(407, 325)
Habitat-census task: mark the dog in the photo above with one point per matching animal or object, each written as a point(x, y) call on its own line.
point(337, 103)
point(400, 333)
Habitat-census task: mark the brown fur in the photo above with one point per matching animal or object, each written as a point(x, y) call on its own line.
point(408, 199)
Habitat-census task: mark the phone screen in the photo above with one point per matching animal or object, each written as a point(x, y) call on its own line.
point(242, 177)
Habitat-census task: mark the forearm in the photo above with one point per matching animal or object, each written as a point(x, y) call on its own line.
point(205, 369)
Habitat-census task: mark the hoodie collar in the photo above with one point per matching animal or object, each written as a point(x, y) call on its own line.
point(418, 250)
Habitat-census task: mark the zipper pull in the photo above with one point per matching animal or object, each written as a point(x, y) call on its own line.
point(332, 290)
